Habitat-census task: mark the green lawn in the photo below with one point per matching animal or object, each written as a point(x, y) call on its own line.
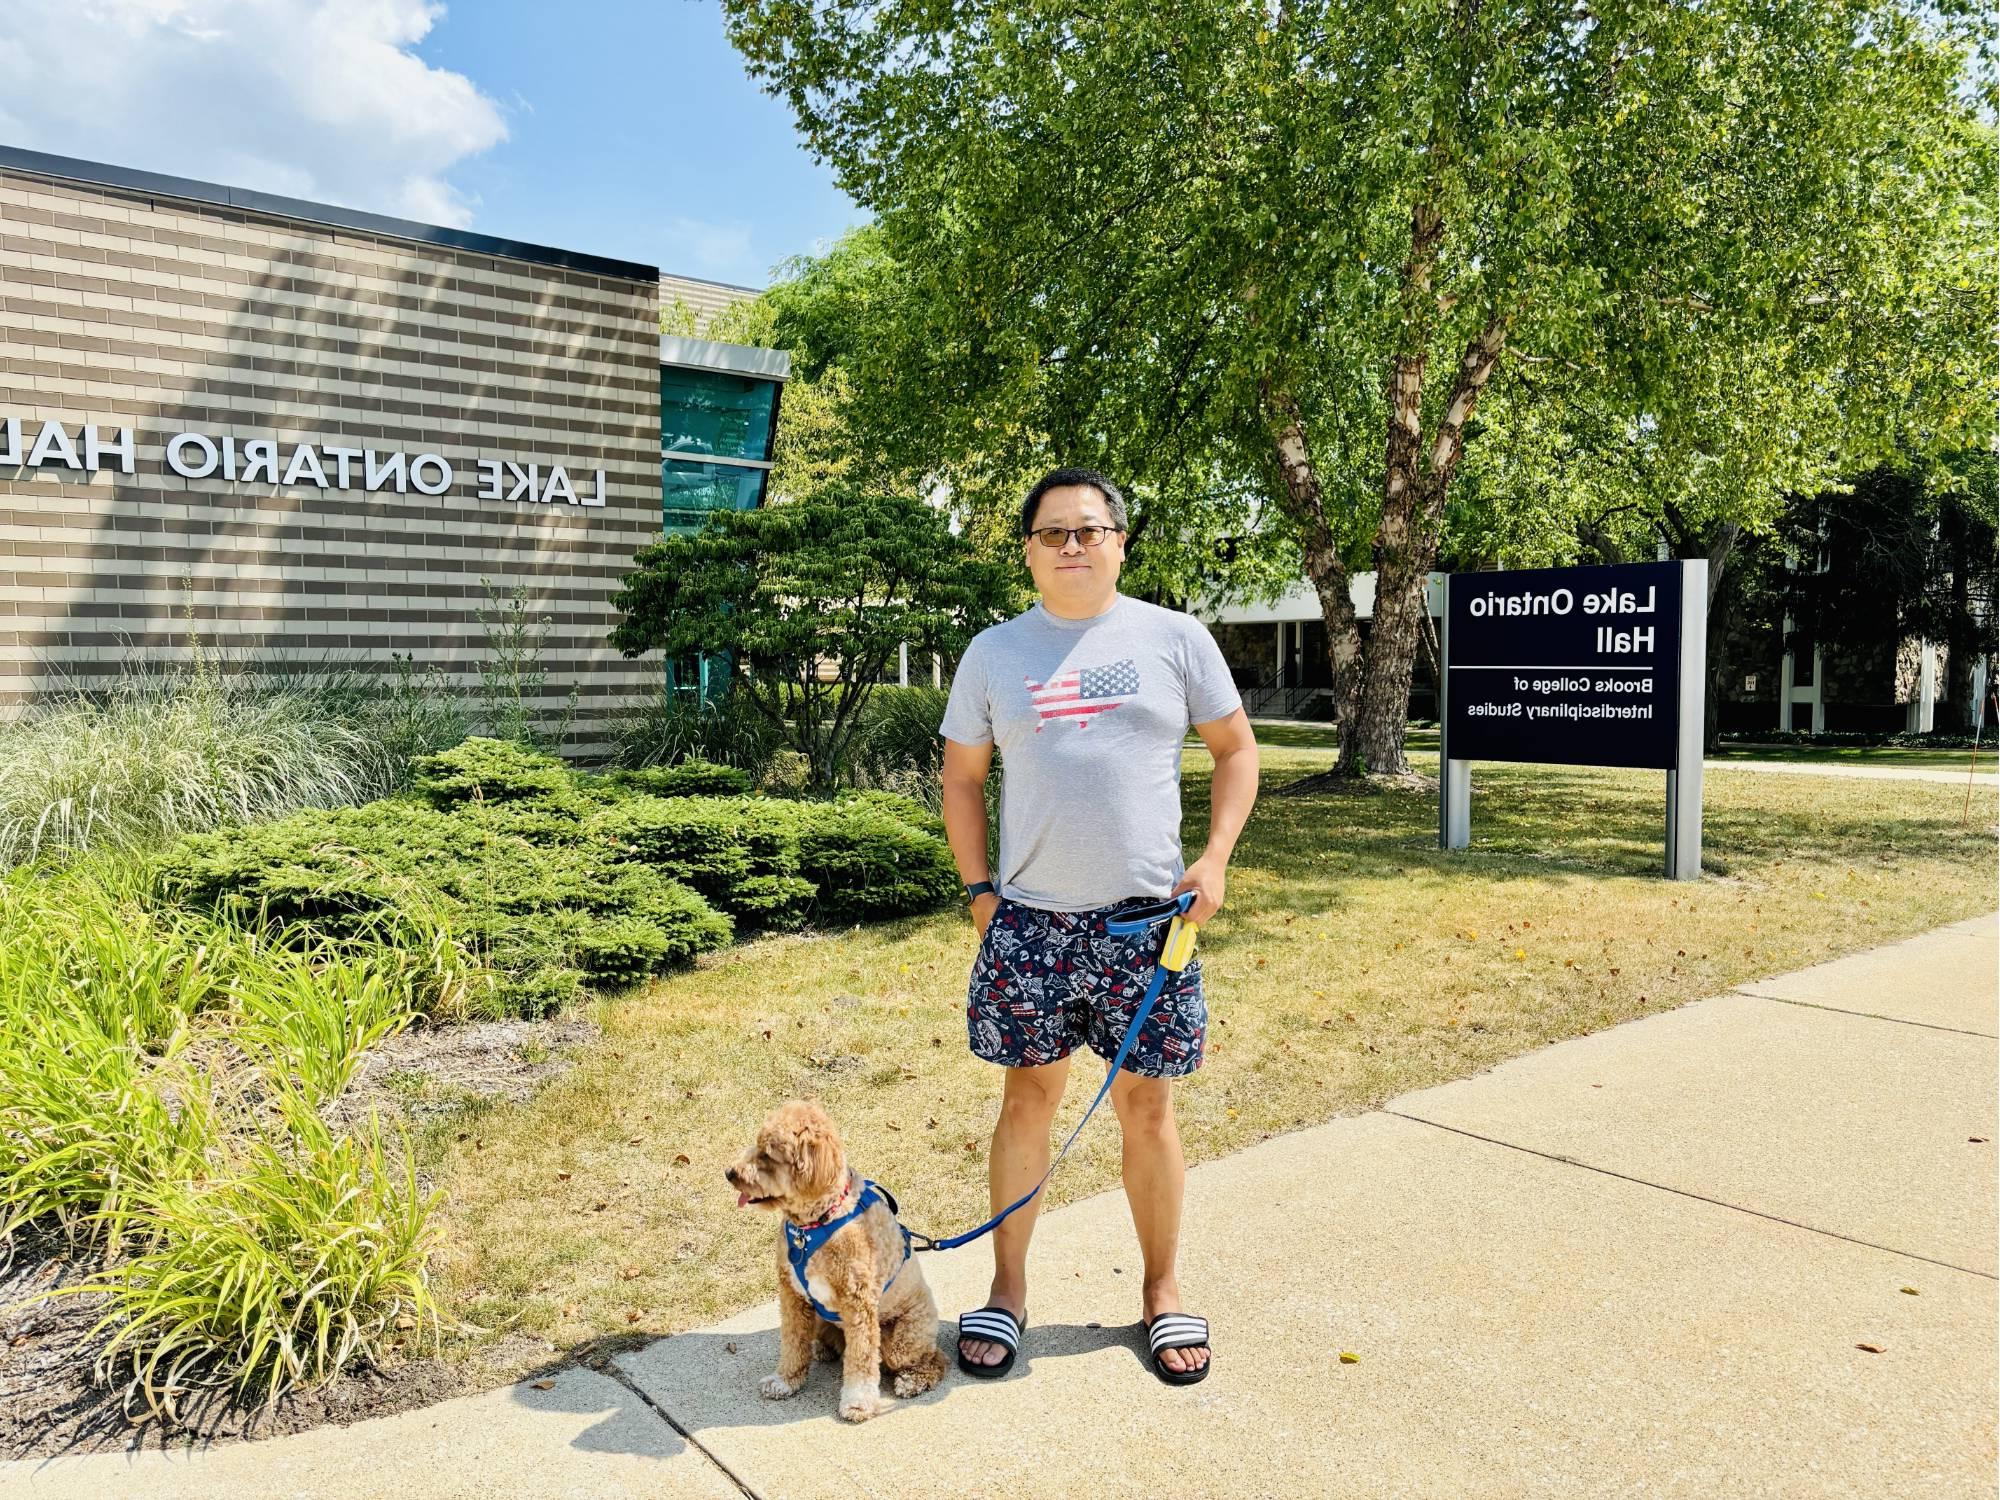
point(1352, 961)
point(1418, 741)
point(1871, 755)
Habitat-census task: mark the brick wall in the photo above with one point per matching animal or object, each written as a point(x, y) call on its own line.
point(123, 309)
point(704, 299)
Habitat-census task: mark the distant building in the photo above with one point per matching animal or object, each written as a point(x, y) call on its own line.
point(1277, 652)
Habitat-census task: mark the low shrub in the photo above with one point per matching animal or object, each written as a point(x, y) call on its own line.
point(541, 917)
point(869, 864)
point(1852, 739)
point(688, 778)
point(772, 862)
point(490, 771)
point(903, 808)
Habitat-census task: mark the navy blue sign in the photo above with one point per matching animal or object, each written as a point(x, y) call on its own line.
point(1574, 666)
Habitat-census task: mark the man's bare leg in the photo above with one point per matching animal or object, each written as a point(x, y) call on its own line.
point(1155, 1185)
point(1019, 1156)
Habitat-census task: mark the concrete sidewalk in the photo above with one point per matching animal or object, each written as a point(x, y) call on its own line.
point(1638, 1263)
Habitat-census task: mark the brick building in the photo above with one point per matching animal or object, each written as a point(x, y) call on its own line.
point(310, 434)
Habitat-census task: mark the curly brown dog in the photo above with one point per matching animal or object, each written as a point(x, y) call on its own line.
point(886, 1313)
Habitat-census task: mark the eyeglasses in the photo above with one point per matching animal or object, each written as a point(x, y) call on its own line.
point(1090, 536)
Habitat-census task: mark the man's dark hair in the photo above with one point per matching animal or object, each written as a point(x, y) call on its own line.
point(1113, 500)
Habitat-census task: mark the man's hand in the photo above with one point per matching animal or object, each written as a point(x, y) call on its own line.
point(1205, 878)
point(983, 907)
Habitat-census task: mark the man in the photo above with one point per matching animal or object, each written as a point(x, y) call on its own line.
point(1089, 696)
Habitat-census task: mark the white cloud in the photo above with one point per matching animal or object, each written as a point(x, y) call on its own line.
point(320, 99)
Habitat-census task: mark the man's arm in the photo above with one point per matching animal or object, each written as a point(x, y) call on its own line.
point(1232, 793)
point(1234, 790)
point(965, 770)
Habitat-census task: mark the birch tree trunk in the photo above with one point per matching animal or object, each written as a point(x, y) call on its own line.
point(1417, 480)
point(1304, 503)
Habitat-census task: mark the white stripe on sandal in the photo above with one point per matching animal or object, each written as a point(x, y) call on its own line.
point(993, 1325)
point(1177, 1331)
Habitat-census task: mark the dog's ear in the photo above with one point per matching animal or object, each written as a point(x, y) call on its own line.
point(819, 1150)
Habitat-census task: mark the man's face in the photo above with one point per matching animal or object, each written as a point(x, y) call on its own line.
point(1074, 571)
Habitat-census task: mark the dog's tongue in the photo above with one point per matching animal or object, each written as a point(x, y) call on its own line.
point(742, 1199)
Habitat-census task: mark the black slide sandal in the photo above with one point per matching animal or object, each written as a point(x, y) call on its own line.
point(993, 1325)
point(1178, 1331)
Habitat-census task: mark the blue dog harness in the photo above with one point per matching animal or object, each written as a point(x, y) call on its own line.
point(803, 1242)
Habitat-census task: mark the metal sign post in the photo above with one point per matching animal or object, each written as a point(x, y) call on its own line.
point(1577, 666)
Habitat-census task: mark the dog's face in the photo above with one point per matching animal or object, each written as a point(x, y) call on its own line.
point(796, 1164)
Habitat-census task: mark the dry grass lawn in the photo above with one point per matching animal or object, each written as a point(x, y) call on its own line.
point(1352, 962)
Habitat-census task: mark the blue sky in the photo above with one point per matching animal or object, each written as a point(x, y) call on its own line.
point(634, 132)
point(619, 127)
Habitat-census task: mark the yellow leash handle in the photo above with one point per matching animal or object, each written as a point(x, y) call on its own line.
point(1178, 951)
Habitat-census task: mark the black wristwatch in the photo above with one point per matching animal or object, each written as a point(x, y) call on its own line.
point(980, 888)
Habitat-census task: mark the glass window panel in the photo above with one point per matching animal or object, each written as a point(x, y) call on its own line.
point(704, 412)
point(689, 492)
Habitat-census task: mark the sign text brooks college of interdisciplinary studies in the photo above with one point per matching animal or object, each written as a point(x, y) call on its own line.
point(236, 459)
point(1598, 666)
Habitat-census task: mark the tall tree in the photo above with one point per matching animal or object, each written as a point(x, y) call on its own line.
point(1302, 243)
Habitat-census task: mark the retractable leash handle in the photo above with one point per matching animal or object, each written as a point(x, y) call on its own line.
point(1176, 952)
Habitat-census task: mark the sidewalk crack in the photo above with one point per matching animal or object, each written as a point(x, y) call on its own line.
point(1570, 1161)
point(1841, 1010)
point(610, 1369)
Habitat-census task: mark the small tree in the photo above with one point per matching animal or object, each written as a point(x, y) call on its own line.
point(795, 592)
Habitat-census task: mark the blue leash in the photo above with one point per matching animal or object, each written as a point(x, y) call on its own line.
point(1175, 953)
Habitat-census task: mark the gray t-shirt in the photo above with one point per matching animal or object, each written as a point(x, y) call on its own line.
point(1089, 717)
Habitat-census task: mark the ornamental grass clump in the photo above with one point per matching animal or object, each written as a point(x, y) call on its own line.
point(173, 753)
point(309, 1018)
point(162, 1081)
point(303, 1250)
point(88, 1122)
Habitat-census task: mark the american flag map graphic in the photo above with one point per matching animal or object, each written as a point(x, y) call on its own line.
point(1081, 696)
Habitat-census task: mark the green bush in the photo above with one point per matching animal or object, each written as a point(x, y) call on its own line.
point(896, 805)
point(689, 778)
point(543, 917)
point(696, 840)
point(490, 771)
point(772, 862)
point(869, 864)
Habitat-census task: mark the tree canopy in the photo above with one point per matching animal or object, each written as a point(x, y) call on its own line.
point(811, 600)
point(1304, 262)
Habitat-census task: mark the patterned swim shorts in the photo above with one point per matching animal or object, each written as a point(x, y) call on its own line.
point(1045, 981)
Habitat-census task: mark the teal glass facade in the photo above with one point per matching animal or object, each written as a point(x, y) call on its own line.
point(717, 431)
